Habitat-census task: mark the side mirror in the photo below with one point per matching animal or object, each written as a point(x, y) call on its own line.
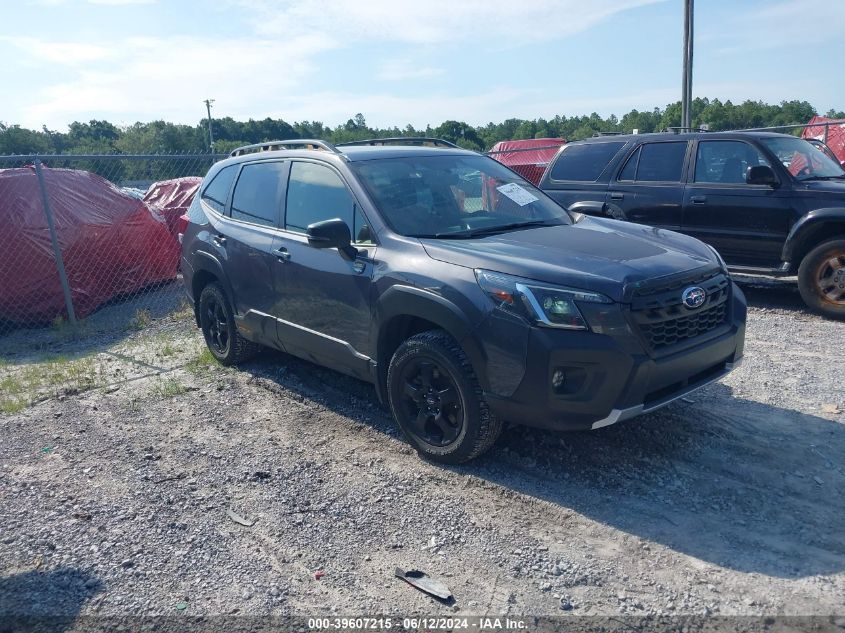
point(332, 234)
point(761, 175)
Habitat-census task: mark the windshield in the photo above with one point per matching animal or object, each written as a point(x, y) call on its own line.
point(453, 196)
point(803, 160)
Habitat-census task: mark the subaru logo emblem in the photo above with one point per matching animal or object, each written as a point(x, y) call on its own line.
point(693, 297)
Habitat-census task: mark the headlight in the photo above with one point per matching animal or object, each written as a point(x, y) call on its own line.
point(718, 258)
point(543, 304)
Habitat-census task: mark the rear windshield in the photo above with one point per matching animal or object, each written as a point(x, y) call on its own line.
point(584, 162)
point(453, 195)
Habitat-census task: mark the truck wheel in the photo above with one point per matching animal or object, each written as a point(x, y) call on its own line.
point(821, 279)
point(436, 399)
point(218, 327)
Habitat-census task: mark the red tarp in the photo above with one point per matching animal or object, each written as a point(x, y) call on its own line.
point(172, 198)
point(835, 134)
point(526, 157)
point(111, 244)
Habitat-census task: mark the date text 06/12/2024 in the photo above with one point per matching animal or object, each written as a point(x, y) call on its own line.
point(416, 624)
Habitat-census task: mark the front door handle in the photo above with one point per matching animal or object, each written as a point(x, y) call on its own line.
point(698, 199)
point(616, 196)
point(282, 254)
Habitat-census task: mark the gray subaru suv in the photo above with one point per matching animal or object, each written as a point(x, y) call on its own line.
point(461, 291)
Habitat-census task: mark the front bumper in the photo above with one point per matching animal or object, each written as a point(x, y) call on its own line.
point(607, 379)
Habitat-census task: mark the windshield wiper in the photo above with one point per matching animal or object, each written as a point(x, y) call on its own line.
point(490, 230)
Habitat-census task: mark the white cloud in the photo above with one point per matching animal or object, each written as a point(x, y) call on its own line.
point(437, 21)
point(67, 53)
point(404, 69)
point(56, 3)
point(168, 77)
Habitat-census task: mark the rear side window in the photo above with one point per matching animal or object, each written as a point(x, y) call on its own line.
point(258, 193)
point(584, 162)
point(659, 162)
point(217, 191)
point(316, 193)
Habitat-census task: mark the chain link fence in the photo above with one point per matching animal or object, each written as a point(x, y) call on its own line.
point(89, 243)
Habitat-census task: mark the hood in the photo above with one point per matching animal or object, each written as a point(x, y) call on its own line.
point(595, 254)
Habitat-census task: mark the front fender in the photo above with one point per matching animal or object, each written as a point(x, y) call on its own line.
point(401, 300)
point(810, 226)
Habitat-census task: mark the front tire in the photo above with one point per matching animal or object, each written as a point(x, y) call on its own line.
point(217, 321)
point(821, 279)
point(436, 400)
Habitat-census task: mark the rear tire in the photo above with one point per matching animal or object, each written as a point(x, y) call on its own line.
point(821, 279)
point(436, 400)
point(217, 320)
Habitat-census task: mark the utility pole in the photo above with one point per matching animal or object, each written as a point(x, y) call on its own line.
point(208, 103)
point(686, 94)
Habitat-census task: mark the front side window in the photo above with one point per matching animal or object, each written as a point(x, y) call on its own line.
point(584, 162)
point(217, 191)
point(726, 162)
point(660, 162)
point(803, 160)
point(316, 193)
point(258, 192)
point(454, 196)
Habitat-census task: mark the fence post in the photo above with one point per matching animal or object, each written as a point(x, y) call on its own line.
point(57, 252)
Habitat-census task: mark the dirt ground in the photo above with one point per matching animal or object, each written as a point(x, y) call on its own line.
point(115, 497)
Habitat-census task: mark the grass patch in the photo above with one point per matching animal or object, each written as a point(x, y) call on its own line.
point(202, 362)
point(141, 320)
point(12, 405)
point(168, 350)
point(21, 385)
point(168, 388)
point(185, 311)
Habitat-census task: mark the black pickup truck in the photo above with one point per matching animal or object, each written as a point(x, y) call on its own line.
point(769, 203)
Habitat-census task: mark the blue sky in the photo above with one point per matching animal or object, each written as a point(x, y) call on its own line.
point(402, 62)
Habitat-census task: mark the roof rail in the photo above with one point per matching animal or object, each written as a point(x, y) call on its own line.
point(402, 140)
point(269, 146)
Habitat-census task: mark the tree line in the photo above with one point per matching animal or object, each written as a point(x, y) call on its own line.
point(103, 137)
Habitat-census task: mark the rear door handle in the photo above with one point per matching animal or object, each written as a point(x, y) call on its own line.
point(698, 199)
point(617, 196)
point(282, 254)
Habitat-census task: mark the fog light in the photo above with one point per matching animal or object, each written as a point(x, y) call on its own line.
point(558, 379)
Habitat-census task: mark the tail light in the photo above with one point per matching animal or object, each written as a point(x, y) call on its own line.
point(182, 226)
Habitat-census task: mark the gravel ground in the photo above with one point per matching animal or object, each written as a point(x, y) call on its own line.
point(116, 500)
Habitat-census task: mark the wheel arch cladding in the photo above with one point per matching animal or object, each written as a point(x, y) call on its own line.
point(404, 311)
point(811, 230)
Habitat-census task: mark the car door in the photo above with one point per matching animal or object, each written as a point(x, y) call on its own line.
point(747, 224)
point(325, 306)
point(249, 236)
point(649, 189)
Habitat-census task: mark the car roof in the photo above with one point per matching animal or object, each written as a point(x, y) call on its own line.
point(681, 136)
point(351, 153)
point(369, 152)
